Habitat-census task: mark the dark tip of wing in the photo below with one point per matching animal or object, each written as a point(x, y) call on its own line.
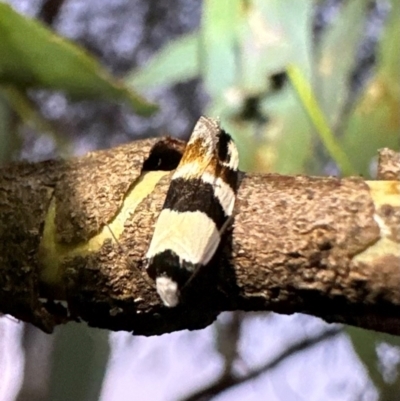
point(230, 177)
point(191, 195)
point(223, 149)
point(224, 155)
point(167, 264)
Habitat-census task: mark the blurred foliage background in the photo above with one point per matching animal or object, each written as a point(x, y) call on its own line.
point(309, 86)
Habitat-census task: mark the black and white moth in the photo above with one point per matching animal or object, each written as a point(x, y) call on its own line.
point(197, 209)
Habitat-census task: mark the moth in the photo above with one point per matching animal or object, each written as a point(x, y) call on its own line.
point(197, 209)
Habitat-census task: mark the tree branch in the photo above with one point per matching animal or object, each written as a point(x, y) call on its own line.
point(324, 246)
point(229, 381)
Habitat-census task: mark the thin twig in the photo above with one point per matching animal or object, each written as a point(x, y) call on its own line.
point(227, 382)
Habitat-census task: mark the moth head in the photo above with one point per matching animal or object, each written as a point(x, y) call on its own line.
point(168, 291)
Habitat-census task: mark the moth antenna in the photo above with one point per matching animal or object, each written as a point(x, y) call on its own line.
point(127, 257)
point(114, 237)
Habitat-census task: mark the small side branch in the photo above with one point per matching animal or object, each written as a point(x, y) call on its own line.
point(227, 382)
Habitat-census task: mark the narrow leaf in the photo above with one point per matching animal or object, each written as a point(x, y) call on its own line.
point(32, 56)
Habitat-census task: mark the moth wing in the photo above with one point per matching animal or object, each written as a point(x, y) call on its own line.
point(191, 235)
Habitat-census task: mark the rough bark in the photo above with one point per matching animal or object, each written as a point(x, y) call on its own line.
point(78, 230)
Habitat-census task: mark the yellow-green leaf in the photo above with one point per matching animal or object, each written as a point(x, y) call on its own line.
point(178, 61)
point(32, 56)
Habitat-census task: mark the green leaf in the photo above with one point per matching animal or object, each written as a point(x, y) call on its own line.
point(178, 61)
point(27, 111)
point(79, 363)
point(280, 144)
point(319, 120)
point(290, 20)
point(375, 122)
point(336, 58)
point(221, 21)
point(265, 37)
point(364, 343)
point(7, 136)
point(31, 56)
point(390, 49)
point(293, 145)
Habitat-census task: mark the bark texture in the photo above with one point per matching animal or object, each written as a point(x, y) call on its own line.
point(78, 230)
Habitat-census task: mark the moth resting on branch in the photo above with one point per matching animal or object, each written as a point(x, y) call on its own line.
point(324, 246)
